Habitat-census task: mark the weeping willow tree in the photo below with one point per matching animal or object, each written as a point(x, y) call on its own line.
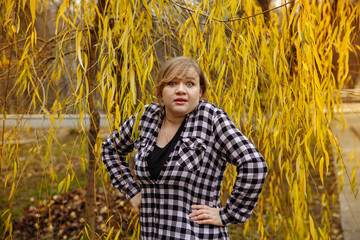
point(275, 72)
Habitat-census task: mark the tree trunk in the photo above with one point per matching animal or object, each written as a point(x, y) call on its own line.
point(94, 126)
point(92, 134)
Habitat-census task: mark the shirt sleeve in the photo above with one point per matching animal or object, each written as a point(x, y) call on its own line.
point(251, 168)
point(113, 154)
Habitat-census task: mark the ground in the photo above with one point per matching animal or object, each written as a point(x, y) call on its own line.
point(63, 217)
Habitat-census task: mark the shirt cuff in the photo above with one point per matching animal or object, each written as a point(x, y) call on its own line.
point(132, 191)
point(225, 216)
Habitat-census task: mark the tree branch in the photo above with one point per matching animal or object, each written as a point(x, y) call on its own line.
point(233, 19)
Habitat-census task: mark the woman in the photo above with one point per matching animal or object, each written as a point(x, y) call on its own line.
point(182, 149)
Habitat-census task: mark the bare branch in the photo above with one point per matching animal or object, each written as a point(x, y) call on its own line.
point(232, 19)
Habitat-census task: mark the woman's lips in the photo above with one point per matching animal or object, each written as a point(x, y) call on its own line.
point(180, 100)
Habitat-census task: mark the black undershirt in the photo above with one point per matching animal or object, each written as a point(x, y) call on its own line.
point(157, 158)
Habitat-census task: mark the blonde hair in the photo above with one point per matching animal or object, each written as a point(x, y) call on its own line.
point(176, 67)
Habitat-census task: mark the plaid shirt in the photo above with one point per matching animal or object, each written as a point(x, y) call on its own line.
point(192, 174)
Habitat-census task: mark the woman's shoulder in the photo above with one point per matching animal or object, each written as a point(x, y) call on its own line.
point(209, 108)
point(152, 108)
point(149, 111)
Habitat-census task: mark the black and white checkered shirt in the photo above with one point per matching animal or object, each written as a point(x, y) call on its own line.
point(192, 175)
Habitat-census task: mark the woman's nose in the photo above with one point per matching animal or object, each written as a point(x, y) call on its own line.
point(180, 89)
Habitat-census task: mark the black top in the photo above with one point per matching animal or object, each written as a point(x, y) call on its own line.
point(157, 158)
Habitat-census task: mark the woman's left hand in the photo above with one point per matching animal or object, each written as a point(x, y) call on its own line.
point(206, 215)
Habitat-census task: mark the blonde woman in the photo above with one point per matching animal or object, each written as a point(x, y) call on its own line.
point(180, 159)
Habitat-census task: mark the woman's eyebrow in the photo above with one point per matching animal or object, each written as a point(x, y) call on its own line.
point(188, 78)
point(176, 78)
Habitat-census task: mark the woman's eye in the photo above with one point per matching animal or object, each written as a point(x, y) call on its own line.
point(171, 83)
point(190, 84)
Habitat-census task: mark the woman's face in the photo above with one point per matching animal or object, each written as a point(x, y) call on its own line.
point(182, 95)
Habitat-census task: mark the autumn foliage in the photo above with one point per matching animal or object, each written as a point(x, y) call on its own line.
point(277, 73)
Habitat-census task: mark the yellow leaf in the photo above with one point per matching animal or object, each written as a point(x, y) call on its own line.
point(109, 233)
point(78, 49)
point(133, 85)
point(251, 108)
point(7, 223)
point(312, 228)
point(33, 9)
point(308, 154)
point(117, 235)
point(321, 170)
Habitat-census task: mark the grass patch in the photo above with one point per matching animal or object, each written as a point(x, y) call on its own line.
point(41, 165)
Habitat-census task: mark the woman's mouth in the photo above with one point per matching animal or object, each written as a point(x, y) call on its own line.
point(180, 100)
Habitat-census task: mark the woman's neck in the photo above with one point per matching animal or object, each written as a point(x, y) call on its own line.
point(174, 120)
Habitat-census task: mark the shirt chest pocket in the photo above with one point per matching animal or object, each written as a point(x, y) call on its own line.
point(142, 148)
point(191, 153)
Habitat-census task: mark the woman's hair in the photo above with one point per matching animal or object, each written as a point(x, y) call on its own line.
point(177, 67)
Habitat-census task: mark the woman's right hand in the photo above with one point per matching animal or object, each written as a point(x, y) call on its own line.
point(136, 202)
